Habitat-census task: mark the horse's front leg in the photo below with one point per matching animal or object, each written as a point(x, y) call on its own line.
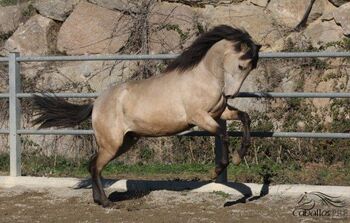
point(206, 122)
point(232, 113)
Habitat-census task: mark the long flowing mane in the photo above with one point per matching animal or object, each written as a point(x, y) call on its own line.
point(192, 55)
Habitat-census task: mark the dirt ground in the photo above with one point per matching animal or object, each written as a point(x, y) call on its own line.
point(19, 204)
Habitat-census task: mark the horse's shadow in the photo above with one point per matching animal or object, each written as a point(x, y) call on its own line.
point(140, 188)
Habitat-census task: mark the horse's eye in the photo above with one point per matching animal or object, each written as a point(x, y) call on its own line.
point(240, 67)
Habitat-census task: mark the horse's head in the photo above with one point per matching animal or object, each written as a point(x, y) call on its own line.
point(241, 57)
point(227, 52)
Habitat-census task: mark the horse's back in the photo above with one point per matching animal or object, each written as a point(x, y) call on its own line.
point(151, 107)
point(154, 106)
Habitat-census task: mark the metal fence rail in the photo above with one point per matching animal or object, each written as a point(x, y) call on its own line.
point(15, 94)
point(170, 56)
point(196, 133)
point(240, 95)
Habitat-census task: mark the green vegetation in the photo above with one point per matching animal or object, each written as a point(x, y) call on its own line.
point(290, 46)
point(175, 27)
point(200, 28)
point(343, 44)
point(222, 194)
point(146, 154)
point(4, 162)
point(8, 2)
point(340, 110)
point(29, 11)
point(264, 170)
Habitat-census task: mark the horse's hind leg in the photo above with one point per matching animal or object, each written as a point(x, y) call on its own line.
point(101, 159)
point(98, 162)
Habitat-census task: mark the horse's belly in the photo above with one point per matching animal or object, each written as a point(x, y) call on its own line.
point(156, 121)
point(161, 128)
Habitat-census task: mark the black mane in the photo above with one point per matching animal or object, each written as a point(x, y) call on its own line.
point(192, 55)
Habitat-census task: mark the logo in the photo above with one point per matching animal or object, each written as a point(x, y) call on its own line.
point(318, 204)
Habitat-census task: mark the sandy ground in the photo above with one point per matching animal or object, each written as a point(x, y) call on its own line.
point(19, 204)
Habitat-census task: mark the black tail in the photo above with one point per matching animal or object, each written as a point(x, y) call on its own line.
point(54, 111)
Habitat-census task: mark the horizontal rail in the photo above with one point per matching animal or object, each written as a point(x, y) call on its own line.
point(240, 95)
point(294, 95)
point(4, 131)
point(4, 95)
point(274, 134)
point(168, 56)
point(60, 95)
point(55, 132)
point(4, 59)
point(303, 54)
point(195, 133)
point(96, 57)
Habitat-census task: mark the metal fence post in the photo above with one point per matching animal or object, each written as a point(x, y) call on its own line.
point(222, 178)
point(15, 115)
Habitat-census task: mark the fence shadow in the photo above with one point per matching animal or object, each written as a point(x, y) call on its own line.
point(140, 188)
point(263, 192)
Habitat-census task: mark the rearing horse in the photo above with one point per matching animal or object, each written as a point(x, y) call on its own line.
point(192, 91)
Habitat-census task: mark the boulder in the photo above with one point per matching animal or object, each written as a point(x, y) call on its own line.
point(251, 84)
point(328, 11)
point(322, 32)
point(172, 26)
point(323, 86)
point(36, 37)
point(55, 9)
point(93, 29)
point(339, 2)
point(98, 75)
point(120, 5)
point(250, 17)
point(290, 13)
point(342, 17)
point(81, 76)
point(10, 17)
point(289, 42)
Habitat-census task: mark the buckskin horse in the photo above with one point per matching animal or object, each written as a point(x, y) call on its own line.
point(192, 91)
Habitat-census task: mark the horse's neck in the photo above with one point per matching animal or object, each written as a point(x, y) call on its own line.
point(214, 59)
point(208, 77)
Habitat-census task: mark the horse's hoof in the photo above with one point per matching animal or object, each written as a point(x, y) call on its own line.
point(107, 204)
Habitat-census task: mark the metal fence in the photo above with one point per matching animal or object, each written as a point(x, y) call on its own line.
point(15, 94)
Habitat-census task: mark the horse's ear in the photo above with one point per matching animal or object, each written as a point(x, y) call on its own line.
point(258, 46)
